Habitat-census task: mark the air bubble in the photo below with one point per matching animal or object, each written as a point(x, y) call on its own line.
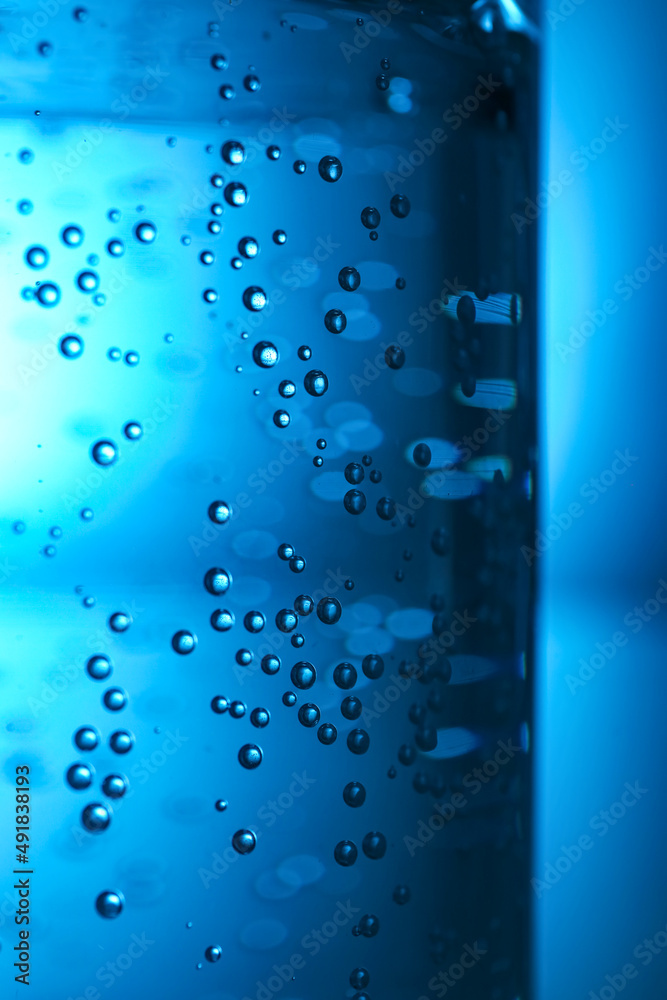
point(145, 232)
point(96, 817)
point(109, 904)
point(345, 853)
point(219, 512)
point(183, 642)
point(48, 294)
point(37, 256)
point(99, 667)
point(330, 169)
point(354, 502)
point(349, 279)
point(244, 841)
point(217, 581)
point(303, 675)
point(71, 346)
point(104, 452)
point(236, 194)
point(250, 756)
point(400, 206)
point(370, 217)
point(121, 741)
point(233, 153)
point(79, 776)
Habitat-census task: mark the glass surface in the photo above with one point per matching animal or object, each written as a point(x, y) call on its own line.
point(268, 408)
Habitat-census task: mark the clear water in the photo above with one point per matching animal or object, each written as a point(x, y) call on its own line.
point(267, 409)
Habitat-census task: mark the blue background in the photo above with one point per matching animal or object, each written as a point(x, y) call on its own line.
point(605, 59)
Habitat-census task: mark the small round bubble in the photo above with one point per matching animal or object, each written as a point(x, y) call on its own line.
point(183, 642)
point(330, 169)
point(104, 452)
point(114, 786)
point(79, 776)
point(250, 756)
point(315, 383)
point(236, 194)
point(48, 294)
point(327, 734)
point(219, 512)
point(265, 354)
point(370, 217)
point(121, 741)
point(354, 794)
point(109, 904)
point(71, 346)
point(349, 279)
point(329, 610)
point(217, 581)
point(270, 664)
point(37, 256)
point(303, 675)
point(345, 853)
point(309, 715)
point(233, 153)
point(96, 817)
point(254, 621)
point(99, 667)
point(354, 502)
point(145, 232)
point(114, 699)
point(243, 841)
